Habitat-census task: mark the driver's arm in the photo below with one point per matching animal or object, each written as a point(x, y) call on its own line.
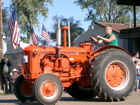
point(107, 40)
point(95, 40)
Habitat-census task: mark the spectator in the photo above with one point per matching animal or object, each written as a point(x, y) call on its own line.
point(5, 71)
point(1, 79)
point(14, 75)
point(137, 62)
point(135, 55)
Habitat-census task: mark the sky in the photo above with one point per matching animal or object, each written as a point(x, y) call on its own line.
point(65, 8)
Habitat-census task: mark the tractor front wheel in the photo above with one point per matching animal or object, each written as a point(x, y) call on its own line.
point(113, 75)
point(48, 89)
point(23, 90)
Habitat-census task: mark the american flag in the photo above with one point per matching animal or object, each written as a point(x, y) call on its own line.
point(13, 26)
point(45, 34)
point(33, 37)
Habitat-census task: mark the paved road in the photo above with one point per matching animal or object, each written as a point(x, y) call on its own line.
point(134, 99)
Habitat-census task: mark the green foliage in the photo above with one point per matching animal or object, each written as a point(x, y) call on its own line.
point(28, 13)
point(106, 11)
point(25, 39)
point(75, 29)
point(5, 23)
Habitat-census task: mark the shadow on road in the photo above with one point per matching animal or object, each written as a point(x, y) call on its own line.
point(73, 99)
point(17, 102)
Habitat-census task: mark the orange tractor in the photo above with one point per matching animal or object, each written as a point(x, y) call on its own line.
point(84, 73)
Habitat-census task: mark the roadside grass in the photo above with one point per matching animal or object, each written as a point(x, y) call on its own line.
point(3, 94)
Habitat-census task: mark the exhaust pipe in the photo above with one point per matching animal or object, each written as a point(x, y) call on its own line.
point(58, 38)
point(69, 34)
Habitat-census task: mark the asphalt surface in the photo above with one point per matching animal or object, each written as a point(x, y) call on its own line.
point(134, 99)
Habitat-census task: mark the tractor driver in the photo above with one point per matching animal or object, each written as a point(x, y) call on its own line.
point(109, 38)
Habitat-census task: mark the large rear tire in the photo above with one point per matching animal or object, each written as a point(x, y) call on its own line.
point(113, 75)
point(23, 90)
point(77, 93)
point(48, 89)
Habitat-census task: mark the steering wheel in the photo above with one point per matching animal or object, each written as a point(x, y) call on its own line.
point(93, 37)
point(96, 42)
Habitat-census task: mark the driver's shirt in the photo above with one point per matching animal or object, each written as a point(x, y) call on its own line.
point(114, 42)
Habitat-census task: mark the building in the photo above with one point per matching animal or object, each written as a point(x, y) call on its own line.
point(99, 29)
point(131, 35)
point(16, 55)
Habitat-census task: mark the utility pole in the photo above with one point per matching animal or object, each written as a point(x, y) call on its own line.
point(1, 32)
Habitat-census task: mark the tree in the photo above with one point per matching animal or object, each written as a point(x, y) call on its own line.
point(28, 13)
point(106, 11)
point(4, 21)
point(75, 29)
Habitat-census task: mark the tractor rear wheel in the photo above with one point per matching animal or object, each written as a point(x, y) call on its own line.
point(23, 90)
point(48, 89)
point(77, 93)
point(113, 75)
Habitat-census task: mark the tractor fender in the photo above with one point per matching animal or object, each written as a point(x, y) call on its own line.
point(111, 46)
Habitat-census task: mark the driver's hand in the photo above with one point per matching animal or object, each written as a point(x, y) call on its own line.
point(99, 41)
point(99, 36)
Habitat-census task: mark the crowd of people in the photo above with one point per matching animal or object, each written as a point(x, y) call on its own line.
point(7, 76)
